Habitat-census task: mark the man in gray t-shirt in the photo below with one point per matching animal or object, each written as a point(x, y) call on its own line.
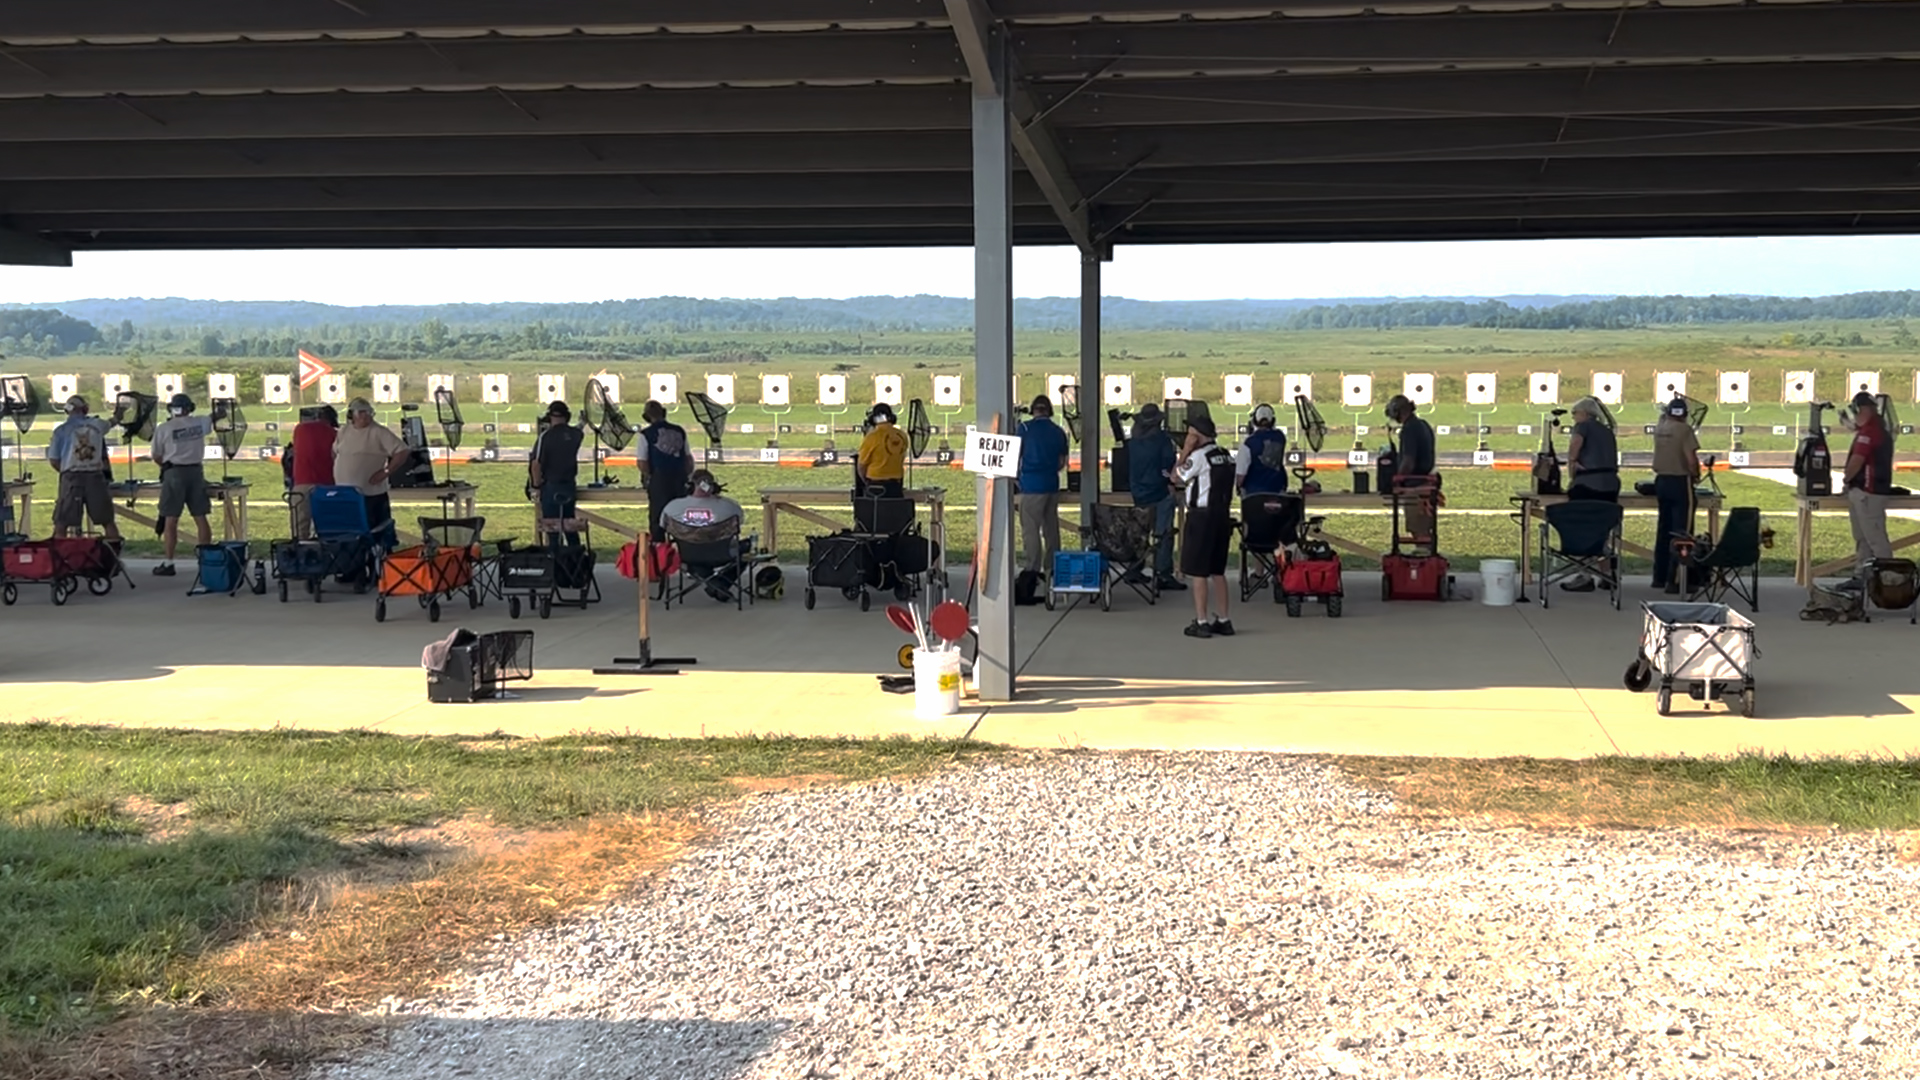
point(180, 448)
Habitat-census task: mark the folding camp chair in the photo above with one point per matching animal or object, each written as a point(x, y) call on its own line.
point(713, 558)
point(1267, 523)
point(1124, 535)
point(1589, 533)
point(1710, 572)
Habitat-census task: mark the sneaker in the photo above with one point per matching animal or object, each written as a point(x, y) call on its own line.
point(1222, 628)
point(1172, 585)
point(1199, 630)
point(165, 569)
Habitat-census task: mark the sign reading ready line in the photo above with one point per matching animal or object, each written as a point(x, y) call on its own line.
point(993, 455)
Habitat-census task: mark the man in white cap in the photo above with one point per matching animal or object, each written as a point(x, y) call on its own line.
point(78, 451)
point(180, 449)
point(366, 455)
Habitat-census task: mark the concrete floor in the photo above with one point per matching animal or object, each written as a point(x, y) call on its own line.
point(1459, 679)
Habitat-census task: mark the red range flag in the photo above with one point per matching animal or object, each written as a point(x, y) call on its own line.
point(312, 369)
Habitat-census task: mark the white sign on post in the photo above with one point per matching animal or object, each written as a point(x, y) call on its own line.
point(64, 387)
point(946, 391)
point(1418, 388)
point(1543, 388)
point(775, 390)
point(219, 387)
point(833, 390)
point(333, 389)
point(1293, 387)
point(494, 390)
point(886, 390)
point(1863, 382)
point(437, 383)
point(386, 389)
point(1480, 388)
point(1607, 387)
point(1733, 388)
point(1119, 391)
point(1796, 388)
point(1668, 385)
point(165, 386)
point(1239, 391)
point(1178, 388)
point(720, 389)
point(1483, 457)
point(993, 455)
point(274, 389)
point(1356, 391)
point(552, 388)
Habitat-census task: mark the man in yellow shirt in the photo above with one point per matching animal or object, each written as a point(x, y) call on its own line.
point(882, 462)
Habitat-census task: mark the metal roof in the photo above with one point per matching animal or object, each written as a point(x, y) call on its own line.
point(650, 123)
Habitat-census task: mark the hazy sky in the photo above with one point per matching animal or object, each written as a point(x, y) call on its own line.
point(1790, 266)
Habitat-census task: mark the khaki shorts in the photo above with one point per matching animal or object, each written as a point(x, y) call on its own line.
point(83, 495)
point(184, 487)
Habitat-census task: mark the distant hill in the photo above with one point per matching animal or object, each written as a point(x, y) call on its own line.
point(684, 314)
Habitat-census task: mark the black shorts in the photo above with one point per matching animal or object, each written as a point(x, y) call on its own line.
point(1203, 545)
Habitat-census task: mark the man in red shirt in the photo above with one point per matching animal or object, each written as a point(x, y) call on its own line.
point(1869, 476)
point(312, 452)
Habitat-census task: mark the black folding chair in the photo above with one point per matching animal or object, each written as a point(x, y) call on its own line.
point(1124, 535)
point(1589, 532)
point(713, 559)
point(1267, 524)
point(1730, 566)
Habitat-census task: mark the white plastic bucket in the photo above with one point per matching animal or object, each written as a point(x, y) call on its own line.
point(1497, 580)
point(936, 683)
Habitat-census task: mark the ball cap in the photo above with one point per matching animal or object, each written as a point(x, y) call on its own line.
point(1677, 407)
point(77, 402)
point(1864, 400)
point(180, 401)
point(1263, 414)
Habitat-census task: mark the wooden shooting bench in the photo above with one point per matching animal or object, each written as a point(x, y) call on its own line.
point(1804, 571)
point(1533, 506)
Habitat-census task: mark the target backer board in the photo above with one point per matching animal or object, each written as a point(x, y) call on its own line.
point(1356, 391)
point(165, 386)
point(1118, 391)
point(1482, 388)
point(1796, 388)
point(333, 389)
point(552, 388)
point(494, 390)
point(1237, 391)
point(1056, 384)
point(1862, 382)
point(1607, 386)
point(1296, 386)
point(1543, 388)
point(612, 383)
point(946, 391)
point(112, 386)
point(276, 389)
point(437, 383)
point(220, 386)
point(64, 387)
point(776, 391)
point(887, 390)
point(1734, 387)
point(1417, 387)
point(833, 390)
point(720, 389)
point(386, 389)
point(1177, 388)
point(1668, 385)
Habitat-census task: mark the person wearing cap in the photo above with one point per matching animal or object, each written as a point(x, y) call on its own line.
point(882, 460)
point(1206, 470)
point(1260, 465)
point(1868, 479)
point(1415, 463)
point(180, 448)
point(78, 452)
point(553, 472)
point(1151, 459)
point(1676, 469)
point(664, 464)
point(311, 454)
point(366, 454)
point(1593, 468)
point(1043, 456)
point(703, 506)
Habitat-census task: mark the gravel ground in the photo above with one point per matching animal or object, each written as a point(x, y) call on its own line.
point(1196, 915)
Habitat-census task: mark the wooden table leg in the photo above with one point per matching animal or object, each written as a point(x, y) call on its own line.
point(1803, 545)
point(770, 524)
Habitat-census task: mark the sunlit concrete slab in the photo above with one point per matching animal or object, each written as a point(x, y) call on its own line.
point(1458, 679)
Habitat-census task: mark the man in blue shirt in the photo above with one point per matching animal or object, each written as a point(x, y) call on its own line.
point(1151, 457)
point(1043, 454)
point(665, 464)
point(1260, 465)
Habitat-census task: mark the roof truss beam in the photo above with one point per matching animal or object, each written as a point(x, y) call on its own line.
point(21, 249)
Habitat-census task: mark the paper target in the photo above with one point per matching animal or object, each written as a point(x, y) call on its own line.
point(720, 389)
point(1863, 382)
point(64, 387)
point(437, 383)
point(552, 388)
point(886, 390)
point(1418, 388)
point(1481, 388)
point(1177, 388)
point(1734, 387)
point(1118, 391)
point(112, 386)
point(386, 389)
point(1056, 384)
point(1238, 391)
point(494, 390)
point(165, 386)
point(1296, 386)
point(612, 383)
point(1668, 385)
point(1796, 388)
point(1607, 386)
point(274, 389)
point(333, 389)
point(946, 391)
point(776, 391)
point(1543, 388)
point(1356, 391)
point(833, 390)
point(219, 387)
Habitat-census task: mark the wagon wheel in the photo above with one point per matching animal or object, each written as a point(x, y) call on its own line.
point(9, 594)
point(433, 611)
point(866, 601)
point(59, 593)
point(99, 586)
point(1294, 607)
point(284, 591)
point(513, 607)
point(1746, 702)
point(1663, 703)
point(806, 599)
point(1333, 606)
point(380, 610)
point(546, 606)
point(473, 597)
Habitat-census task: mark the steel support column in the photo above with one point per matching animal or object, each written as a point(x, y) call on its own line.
point(1091, 394)
point(993, 358)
